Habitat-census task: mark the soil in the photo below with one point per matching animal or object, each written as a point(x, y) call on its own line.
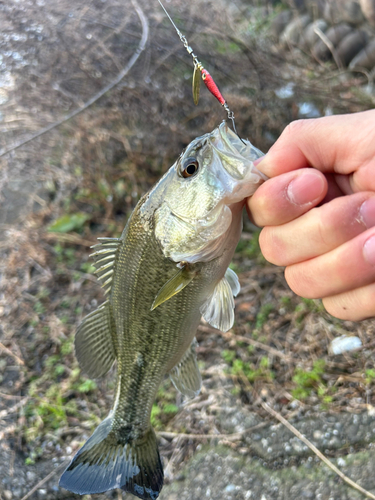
point(89, 173)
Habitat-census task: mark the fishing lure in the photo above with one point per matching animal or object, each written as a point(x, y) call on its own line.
point(206, 77)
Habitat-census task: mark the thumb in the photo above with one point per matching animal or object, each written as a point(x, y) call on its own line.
point(287, 196)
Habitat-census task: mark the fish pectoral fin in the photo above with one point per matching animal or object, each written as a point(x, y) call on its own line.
point(185, 375)
point(218, 309)
point(183, 277)
point(94, 344)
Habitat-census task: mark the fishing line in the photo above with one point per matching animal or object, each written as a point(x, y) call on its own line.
point(206, 77)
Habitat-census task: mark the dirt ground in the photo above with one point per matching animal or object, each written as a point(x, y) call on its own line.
point(80, 181)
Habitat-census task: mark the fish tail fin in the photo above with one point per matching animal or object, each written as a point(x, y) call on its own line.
point(112, 459)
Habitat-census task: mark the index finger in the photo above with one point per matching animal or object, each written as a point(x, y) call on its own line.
point(340, 144)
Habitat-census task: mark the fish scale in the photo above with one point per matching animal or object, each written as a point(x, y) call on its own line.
point(159, 344)
point(168, 268)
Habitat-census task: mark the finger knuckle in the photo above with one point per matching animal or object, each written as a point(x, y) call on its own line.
point(295, 128)
point(302, 282)
point(273, 248)
point(355, 305)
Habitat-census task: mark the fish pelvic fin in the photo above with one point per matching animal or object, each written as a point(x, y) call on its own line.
point(111, 459)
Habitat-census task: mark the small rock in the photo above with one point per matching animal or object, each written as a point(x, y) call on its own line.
point(349, 11)
point(294, 30)
point(334, 34)
point(310, 38)
point(351, 45)
point(7, 495)
point(30, 475)
point(279, 23)
point(344, 343)
point(308, 110)
point(365, 58)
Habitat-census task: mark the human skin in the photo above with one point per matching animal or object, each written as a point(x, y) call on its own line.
point(317, 211)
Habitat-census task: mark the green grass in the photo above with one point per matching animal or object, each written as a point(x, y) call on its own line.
point(369, 376)
point(164, 407)
point(263, 314)
point(311, 381)
point(50, 402)
point(239, 368)
point(250, 248)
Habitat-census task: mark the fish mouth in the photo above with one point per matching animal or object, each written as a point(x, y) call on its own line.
point(233, 164)
point(227, 142)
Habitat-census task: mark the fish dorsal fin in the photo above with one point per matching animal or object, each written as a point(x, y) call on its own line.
point(185, 375)
point(181, 279)
point(105, 258)
point(218, 309)
point(94, 344)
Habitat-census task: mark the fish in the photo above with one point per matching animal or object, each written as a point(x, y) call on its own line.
point(169, 268)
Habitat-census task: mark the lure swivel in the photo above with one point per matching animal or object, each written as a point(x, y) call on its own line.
point(206, 77)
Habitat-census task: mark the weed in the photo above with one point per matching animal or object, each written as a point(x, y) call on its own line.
point(155, 412)
point(253, 373)
point(286, 301)
point(228, 356)
point(65, 255)
point(313, 305)
point(49, 405)
point(235, 267)
point(307, 381)
point(68, 223)
point(250, 248)
point(164, 408)
point(66, 346)
point(39, 308)
point(86, 386)
point(262, 315)
point(369, 376)
point(87, 267)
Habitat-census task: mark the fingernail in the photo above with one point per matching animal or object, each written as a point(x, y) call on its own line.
point(305, 188)
point(258, 160)
point(369, 250)
point(367, 212)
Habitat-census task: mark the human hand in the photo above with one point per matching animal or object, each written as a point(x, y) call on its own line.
point(320, 222)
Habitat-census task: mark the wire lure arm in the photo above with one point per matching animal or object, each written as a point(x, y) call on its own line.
point(206, 77)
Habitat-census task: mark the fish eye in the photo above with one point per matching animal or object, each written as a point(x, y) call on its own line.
point(190, 167)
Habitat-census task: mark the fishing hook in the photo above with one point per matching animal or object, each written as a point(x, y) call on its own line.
point(206, 77)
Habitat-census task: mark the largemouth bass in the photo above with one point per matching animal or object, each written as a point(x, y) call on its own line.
point(168, 268)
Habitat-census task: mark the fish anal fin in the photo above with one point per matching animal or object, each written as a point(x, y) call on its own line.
point(179, 281)
point(105, 260)
point(218, 309)
point(185, 375)
point(94, 345)
point(110, 460)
